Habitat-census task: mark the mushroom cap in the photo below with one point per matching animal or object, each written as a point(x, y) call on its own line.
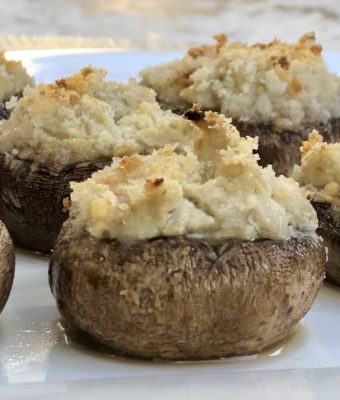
point(32, 197)
point(185, 297)
point(329, 229)
point(7, 262)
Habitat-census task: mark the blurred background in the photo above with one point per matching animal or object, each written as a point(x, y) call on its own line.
point(162, 24)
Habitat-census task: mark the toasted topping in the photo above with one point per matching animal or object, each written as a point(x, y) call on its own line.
point(84, 117)
point(218, 191)
point(13, 78)
point(319, 171)
point(287, 85)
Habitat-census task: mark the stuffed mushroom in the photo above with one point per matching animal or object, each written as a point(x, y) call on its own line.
point(13, 79)
point(7, 261)
point(188, 256)
point(319, 174)
point(276, 91)
point(65, 131)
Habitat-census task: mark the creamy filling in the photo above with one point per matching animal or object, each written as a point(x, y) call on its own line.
point(319, 172)
point(84, 118)
point(218, 191)
point(13, 78)
point(287, 85)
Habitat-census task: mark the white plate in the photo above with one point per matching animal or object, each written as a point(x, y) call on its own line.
point(37, 361)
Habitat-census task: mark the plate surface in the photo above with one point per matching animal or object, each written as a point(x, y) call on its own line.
point(38, 360)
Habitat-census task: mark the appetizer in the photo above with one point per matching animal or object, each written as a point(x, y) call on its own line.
point(7, 261)
point(276, 91)
point(63, 132)
point(13, 79)
point(319, 174)
point(188, 256)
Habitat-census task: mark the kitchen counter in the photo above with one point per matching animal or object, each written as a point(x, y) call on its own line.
point(160, 24)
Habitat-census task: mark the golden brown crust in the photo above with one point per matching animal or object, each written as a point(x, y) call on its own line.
point(276, 50)
point(64, 90)
point(200, 51)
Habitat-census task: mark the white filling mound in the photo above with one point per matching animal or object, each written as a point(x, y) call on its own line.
point(84, 117)
point(218, 191)
point(319, 172)
point(286, 85)
point(13, 78)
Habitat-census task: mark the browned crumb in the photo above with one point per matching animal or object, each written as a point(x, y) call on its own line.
point(196, 107)
point(294, 86)
point(205, 49)
point(66, 204)
point(154, 182)
point(128, 164)
point(314, 138)
point(183, 80)
point(283, 62)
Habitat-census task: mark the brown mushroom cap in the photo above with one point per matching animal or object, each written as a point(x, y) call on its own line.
point(32, 195)
point(281, 149)
point(183, 297)
point(329, 229)
point(7, 261)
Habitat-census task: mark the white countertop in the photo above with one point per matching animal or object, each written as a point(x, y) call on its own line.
point(163, 24)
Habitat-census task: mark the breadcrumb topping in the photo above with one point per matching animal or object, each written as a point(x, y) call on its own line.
point(319, 172)
point(13, 78)
point(84, 118)
point(217, 191)
point(287, 85)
